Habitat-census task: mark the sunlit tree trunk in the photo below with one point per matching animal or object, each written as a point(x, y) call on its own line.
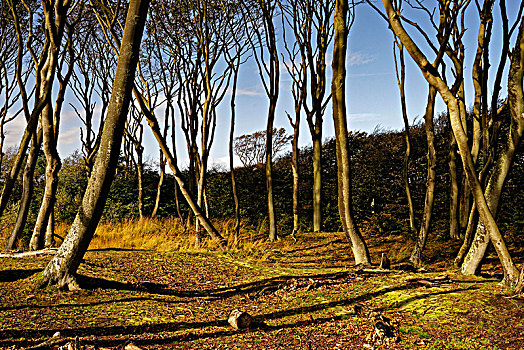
point(62, 268)
point(502, 166)
point(416, 255)
point(401, 79)
point(27, 191)
point(338, 91)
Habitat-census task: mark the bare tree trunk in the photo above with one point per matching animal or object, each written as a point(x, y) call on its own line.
point(296, 173)
point(454, 188)
point(52, 168)
point(317, 181)
point(140, 174)
point(27, 192)
point(63, 266)
point(269, 172)
point(338, 88)
point(401, 78)
point(416, 255)
point(159, 185)
point(231, 149)
point(50, 230)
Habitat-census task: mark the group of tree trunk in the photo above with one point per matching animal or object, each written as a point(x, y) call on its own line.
point(183, 56)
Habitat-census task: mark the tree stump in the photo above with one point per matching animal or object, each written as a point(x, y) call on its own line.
point(240, 319)
point(384, 262)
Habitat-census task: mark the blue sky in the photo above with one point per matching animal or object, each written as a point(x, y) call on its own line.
point(372, 91)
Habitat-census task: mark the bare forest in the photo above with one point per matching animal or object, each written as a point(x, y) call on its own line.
point(311, 233)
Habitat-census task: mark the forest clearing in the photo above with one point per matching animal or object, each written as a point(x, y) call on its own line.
point(193, 174)
point(303, 295)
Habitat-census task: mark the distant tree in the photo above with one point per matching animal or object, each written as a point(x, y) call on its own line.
point(312, 26)
point(251, 148)
point(259, 18)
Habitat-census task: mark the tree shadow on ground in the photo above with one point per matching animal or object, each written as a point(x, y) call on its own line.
point(15, 275)
point(215, 293)
point(124, 333)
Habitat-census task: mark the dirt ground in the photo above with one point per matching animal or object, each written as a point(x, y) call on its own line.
point(302, 296)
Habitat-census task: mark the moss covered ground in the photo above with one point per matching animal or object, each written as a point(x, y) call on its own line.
point(304, 295)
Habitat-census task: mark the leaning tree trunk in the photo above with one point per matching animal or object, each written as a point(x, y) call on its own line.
point(416, 255)
point(27, 191)
point(159, 185)
point(62, 268)
point(338, 91)
point(501, 169)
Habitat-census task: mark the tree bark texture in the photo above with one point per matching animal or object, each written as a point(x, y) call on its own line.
point(338, 89)
point(62, 268)
point(27, 191)
point(416, 255)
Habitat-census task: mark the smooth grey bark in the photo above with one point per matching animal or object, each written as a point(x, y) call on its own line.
point(338, 89)
point(62, 268)
point(416, 255)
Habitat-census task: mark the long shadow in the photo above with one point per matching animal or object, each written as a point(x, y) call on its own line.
point(119, 250)
point(216, 293)
point(178, 326)
point(62, 306)
point(313, 247)
point(15, 275)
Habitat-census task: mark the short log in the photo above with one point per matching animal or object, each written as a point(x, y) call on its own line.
point(240, 319)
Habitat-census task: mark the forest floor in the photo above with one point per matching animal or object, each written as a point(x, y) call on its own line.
point(303, 295)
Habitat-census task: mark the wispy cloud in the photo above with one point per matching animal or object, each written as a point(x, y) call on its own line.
point(359, 58)
point(69, 137)
point(249, 92)
point(363, 117)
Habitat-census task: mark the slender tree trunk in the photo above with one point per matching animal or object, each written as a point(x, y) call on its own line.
point(269, 172)
point(27, 191)
point(401, 79)
point(159, 185)
point(454, 188)
point(296, 174)
point(416, 255)
point(317, 181)
point(140, 174)
point(53, 165)
point(63, 266)
point(231, 152)
point(338, 90)
point(50, 230)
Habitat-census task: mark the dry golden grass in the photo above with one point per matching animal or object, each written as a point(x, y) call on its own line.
point(166, 234)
